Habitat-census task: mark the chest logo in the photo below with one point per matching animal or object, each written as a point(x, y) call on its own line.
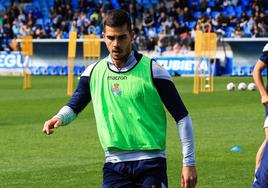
point(116, 89)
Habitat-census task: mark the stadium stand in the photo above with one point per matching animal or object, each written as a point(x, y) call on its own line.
point(159, 25)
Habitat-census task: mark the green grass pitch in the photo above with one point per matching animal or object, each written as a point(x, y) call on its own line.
point(72, 156)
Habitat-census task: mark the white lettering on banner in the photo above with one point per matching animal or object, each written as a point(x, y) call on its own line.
point(13, 60)
point(2, 59)
point(176, 64)
point(182, 64)
point(189, 65)
point(10, 61)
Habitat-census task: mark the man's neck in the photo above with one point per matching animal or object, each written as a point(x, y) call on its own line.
point(119, 64)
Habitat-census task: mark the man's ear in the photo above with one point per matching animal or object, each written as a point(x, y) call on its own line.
point(103, 35)
point(132, 35)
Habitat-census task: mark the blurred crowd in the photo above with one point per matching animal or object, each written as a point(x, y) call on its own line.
point(159, 25)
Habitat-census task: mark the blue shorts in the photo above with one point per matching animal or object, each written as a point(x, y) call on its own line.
point(261, 176)
point(266, 110)
point(149, 173)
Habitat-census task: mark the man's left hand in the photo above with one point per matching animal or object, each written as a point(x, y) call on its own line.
point(188, 177)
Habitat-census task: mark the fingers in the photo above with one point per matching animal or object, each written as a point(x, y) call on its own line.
point(51, 124)
point(57, 124)
point(188, 182)
point(182, 182)
point(264, 99)
point(47, 127)
point(188, 177)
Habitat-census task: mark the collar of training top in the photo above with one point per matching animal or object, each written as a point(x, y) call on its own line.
point(133, 58)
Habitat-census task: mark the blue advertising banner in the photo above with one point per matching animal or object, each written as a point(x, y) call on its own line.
point(186, 65)
point(13, 60)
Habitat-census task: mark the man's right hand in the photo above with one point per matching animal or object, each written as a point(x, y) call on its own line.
point(264, 99)
point(51, 124)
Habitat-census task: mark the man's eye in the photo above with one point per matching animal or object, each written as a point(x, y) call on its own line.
point(110, 38)
point(122, 37)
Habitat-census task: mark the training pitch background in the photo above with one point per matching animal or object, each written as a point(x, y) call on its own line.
point(72, 156)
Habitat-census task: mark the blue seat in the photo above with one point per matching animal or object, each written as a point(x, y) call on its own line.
point(65, 35)
point(2, 8)
point(98, 31)
point(28, 8)
point(115, 4)
point(50, 3)
point(7, 3)
point(82, 69)
point(211, 3)
point(244, 71)
point(180, 19)
point(247, 31)
point(40, 21)
point(197, 14)
point(61, 70)
point(230, 11)
point(51, 70)
point(248, 12)
point(34, 70)
point(264, 72)
point(224, 12)
point(77, 70)
point(36, 5)
point(250, 70)
point(190, 24)
point(214, 14)
point(234, 71)
point(228, 31)
point(42, 70)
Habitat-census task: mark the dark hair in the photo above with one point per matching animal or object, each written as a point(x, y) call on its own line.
point(117, 18)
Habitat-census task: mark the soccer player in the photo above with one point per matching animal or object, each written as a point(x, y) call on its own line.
point(128, 91)
point(261, 175)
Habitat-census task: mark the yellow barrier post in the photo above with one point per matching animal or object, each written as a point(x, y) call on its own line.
point(91, 48)
point(205, 50)
point(197, 51)
point(27, 50)
point(71, 57)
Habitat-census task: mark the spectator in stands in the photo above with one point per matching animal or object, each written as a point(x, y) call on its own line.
point(150, 45)
point(39, 33)
point(187, 15)
point(58, 34)
point(162, 19)
point(177, 47)
point(140, 38)
point(74, 26)
point(36, 14)
point(148, 19)
point(48, 30)
point(162, 8)
point(133, 12)
point(238, 32)
point(258, 31)
point(21, 16)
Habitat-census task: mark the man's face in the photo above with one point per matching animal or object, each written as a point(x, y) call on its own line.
point(118, 41)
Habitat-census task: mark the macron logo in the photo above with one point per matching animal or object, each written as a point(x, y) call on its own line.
point(117, 78)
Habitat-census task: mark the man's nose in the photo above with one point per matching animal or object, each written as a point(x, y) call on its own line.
point(116, 43)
